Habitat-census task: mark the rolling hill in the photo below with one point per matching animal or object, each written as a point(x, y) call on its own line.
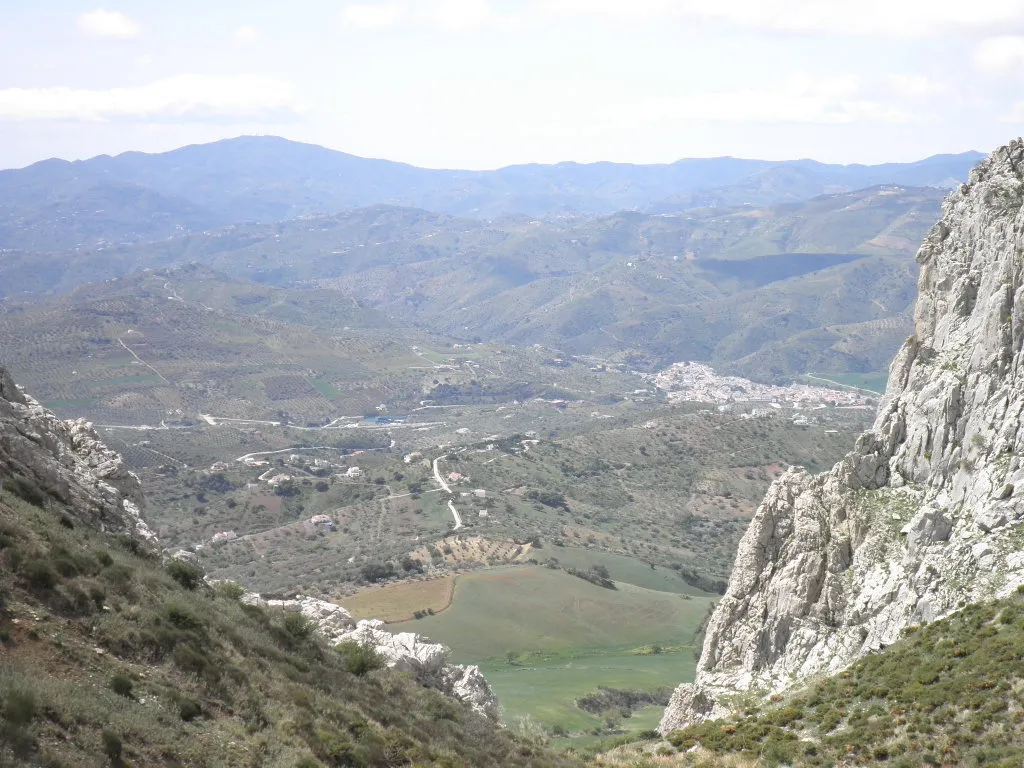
point(57, 205)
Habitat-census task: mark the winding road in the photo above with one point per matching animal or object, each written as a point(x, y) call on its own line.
point(447, 488)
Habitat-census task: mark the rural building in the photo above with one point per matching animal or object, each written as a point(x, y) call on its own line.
point(224, 536)
point(454, 477)
point(278, 479)
point(411, 457)
point(353, 472)
point(324, 520)
point(480, 493)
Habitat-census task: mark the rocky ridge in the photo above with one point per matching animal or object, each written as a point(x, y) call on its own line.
point(68, 461)
point(408, 652)
point(926, 514)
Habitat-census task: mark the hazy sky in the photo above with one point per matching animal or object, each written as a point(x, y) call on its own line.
point(485, 83)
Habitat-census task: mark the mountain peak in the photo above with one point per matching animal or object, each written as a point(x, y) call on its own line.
point(923, 515)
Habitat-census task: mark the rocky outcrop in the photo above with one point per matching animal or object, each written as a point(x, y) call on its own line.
point(924, 515)
point(67, 461)
point(404, 652)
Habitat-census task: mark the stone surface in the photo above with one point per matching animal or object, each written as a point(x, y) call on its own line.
point(835, 566)
point(404, 652)
point(67, 461)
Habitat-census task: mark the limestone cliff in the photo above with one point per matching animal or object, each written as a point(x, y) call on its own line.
point(404, 652)
point(926, 514)
point(67, 461)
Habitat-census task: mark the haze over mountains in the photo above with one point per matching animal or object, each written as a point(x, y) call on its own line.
point(768, 269)
point(56, 204)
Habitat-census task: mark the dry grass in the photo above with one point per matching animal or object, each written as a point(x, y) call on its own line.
point(398, 602)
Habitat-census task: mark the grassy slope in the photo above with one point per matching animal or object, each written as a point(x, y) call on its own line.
point(543, 610)
point(950, 693)
point(627, 570)
point(78, 608)
point(568, 637)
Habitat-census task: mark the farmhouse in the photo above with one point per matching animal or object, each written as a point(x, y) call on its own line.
point(353, 472)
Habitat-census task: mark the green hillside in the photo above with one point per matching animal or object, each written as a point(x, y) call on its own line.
point(950, 693)
point(111, 658)
point(545, 638)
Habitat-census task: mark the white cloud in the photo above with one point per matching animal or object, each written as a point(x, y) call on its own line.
point(896, 18)
point(998, 55)
point(447, 15)
point(1015, 115)
point(376, 16)
point(458, 15)
point(183, 98)
point(108, 24)
point(915, 85)
point(801, 100)
point(247, 35)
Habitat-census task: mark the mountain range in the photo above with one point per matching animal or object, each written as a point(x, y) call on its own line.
point(135, 197)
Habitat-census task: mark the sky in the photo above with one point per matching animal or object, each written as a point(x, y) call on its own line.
point(487, 83)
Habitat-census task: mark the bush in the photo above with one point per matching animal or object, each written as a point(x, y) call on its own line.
point(40, 574)
point(296, 625)
point(186, 574)
point(122, 685)
point(189, 710)
point(20, 707)
point(181, 616)
point(112, 746)
point(230, 590)
point(26, 490)
point(359, 658)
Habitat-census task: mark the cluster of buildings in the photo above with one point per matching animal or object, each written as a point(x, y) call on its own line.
point(698, 382)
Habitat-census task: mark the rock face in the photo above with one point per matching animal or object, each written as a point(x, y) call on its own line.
point(67, 461)
point(924, 515)
point(404, 652)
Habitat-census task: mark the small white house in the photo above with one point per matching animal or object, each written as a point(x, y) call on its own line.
point(353, 472)
point(480, 493)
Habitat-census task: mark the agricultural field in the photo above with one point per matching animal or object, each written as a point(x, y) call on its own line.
point(398, 602)
point(545, 638)
point(872, 382)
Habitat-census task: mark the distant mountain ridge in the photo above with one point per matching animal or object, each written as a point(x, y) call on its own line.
point(136, 197)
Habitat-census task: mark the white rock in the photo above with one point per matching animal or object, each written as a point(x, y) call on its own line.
point(822, 575)
point(403, 652)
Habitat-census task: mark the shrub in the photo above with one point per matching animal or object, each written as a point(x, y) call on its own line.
point(230, 590)
point(122, 685)
point(40, 574)
point(112, 746)
point(181, 616)
point(26, 490)
point(20, 707)
point(189, 710)
point(359, 658)
point(189, 659)
point(296, 625)
point(186, 574)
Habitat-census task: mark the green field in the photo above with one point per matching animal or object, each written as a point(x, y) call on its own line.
point(624, 569)
point(547, 692)
point(873, 382)
point(567, 637)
